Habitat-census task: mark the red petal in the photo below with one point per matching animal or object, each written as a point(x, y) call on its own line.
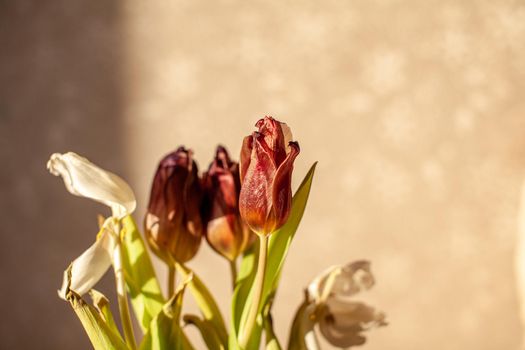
point(246, 154)
point(221, 236)
point(282, 188)
point(256, 193)
point(274, 137)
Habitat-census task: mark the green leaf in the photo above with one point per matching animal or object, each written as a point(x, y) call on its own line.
point(240, 297)
point(101, 335)
point(281, 239)
point(244, 281)
point(208, 333)
point(207, 305)
point(165, 332)
point(102, 305)
point(279, 244)
point(142, 283)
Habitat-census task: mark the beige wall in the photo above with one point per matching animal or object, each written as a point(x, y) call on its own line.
point(414, 110)
point(60, 89)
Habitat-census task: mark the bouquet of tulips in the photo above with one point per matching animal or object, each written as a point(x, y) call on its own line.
point(246, 212)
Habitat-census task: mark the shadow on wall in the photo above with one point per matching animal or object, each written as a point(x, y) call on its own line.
point(60, 74)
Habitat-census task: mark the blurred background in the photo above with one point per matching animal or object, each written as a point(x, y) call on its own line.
point(414, 110)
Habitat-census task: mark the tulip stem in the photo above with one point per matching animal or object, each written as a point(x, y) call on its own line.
point(171, 281)
point(258, 286)
point(233, 269)
point(123, 307)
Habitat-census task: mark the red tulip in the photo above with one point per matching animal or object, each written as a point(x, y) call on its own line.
point(225, 231)
point(267, 158)
point(173, 223)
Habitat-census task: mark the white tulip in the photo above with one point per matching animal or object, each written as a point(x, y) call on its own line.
point(85, 179)
point(342, 320)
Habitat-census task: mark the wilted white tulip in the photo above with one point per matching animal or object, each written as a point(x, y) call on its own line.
point(342, 320)
point(330, 305)
point(85, 179)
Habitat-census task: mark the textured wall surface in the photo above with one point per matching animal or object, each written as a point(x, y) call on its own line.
point(60, 89)
point(415, 111)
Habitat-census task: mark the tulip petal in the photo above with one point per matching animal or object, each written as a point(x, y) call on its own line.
point(86, 270)
point(246, 155)
point(226, 194)
point(282, 188)
point(287, 136)
point(85, 179)
point(221, 237)
point(343, 322)
point(255, 199)
point(227, 236)
point(342, 281)
point(277, 136)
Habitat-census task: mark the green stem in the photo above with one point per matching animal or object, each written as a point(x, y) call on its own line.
point(233, 270)
point(125, 317)
point(258, 285)
point(171, 281)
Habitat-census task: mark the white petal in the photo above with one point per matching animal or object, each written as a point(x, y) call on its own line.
point(341, 281)
point(85, 179)
point(354, 278)
point(349, 313)
point(316, 287)
point(89, 267)
point(342, 323)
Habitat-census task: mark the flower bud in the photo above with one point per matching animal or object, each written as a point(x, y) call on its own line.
point(173, 224)
point(267, 158)
point(226, 233)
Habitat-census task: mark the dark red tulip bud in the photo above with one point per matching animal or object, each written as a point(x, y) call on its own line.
point(173, 225)
point(267, 158)
point(226, 233)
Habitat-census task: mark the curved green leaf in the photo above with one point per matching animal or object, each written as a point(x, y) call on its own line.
point(207, 331)
point(207, 305)
point(142, 283)
point(101, 303)
point(165, 332)
point(101, 335)
point(281, 239)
